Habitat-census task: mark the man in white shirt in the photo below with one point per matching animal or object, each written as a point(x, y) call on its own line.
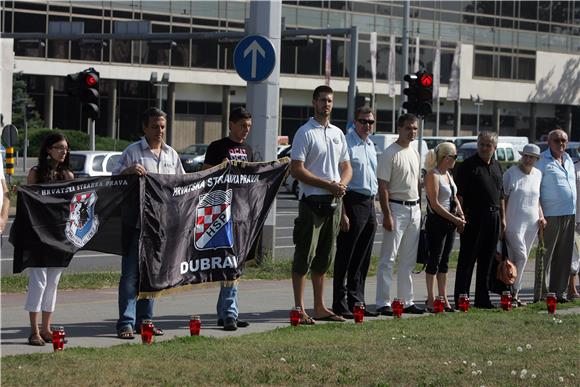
point(150, 154)
point(320, 162)
point(398, 172)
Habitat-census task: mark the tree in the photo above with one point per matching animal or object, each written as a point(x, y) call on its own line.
point(21, 101)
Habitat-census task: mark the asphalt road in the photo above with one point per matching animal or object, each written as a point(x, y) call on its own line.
point(91, 261)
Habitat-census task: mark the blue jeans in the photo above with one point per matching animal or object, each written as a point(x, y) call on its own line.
point(227, 305)
point(131, 311)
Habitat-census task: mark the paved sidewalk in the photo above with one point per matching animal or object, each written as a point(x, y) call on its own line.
point(89, 316)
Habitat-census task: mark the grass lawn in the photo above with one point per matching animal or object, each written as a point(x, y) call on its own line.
point(524, 347)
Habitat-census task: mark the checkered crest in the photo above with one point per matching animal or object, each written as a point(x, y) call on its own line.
point(213, 227)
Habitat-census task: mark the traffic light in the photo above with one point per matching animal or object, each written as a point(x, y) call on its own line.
point(419, 93)
point(85, 86)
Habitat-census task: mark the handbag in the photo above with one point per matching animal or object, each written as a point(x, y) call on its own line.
point(423, 248)
point(504, 272)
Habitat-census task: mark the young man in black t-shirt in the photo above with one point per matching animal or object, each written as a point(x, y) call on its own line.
point(232, 148)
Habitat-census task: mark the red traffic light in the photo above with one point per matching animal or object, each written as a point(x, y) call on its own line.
point(91, 80)
point(426, 80)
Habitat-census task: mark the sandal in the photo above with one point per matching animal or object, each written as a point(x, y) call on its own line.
point(47, 338)
point(156, 331)
point(307, 320)
point(36, 340)
point(126, 334)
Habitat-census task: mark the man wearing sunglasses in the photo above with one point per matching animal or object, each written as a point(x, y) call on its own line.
point(558, 200)
point(358, 221)
point(479, 190)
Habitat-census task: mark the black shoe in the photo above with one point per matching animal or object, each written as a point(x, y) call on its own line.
point(347, 315)
point(563, 300)
point(239, 323)
point(230, 324)
point(385, 311)
point(369, 313)
point(413, 309)
point(488, 305)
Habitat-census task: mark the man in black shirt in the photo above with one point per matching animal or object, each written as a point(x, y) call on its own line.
point(232, 148)
point(479, 189)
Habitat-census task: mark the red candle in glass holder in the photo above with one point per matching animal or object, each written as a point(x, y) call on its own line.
point(463, 302)
point(397, 307)
point(439, 304)
point(506, 300)
point(359, 312)
point(147, 331)
point(551, 302)
point(295, 316)
point(194, 325)
point(58, 336)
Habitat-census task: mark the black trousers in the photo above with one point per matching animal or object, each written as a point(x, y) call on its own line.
point(440, 238)
point(353, 252)
point(478, 244)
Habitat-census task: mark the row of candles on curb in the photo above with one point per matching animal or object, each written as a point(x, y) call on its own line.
point(147, 327)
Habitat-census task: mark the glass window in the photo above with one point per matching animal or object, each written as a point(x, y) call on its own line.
point(544, 8)
point(560, 11)
point(528, 26)
point(7, 22)
point(309, 17)
point(98, 163)
point(500, 153)
point(29, 22)
point(288, 57)
point(510, 154)
point(309, 58)
point(450, 17)
point(365, 24)
point(486, 7)
point(449, 32)
point(121, 51)
point(528, 9)
point(364, 61)
point(112, 162)
point(484, 21)
point(180, 52)
point(236, 10)
point(204, 54)
point(507, 8)
point(506, 38)
point(337, 58)
point(526, 40)
point(382, 61)
point(483, 65)
point(446, 62)
point(505, 67)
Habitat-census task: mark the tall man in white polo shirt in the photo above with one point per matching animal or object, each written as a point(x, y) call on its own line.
point(150, 154)
point(320, 162)
point(398, 172)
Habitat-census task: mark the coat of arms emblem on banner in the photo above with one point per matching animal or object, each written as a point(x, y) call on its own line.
point(213, 227)
point(82, 222)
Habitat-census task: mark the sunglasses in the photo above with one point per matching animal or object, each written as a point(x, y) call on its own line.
point(364, 122)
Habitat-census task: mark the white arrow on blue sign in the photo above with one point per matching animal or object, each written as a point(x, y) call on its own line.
point(254, 58)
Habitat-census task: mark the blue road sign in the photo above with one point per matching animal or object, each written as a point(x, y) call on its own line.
point(254, 58)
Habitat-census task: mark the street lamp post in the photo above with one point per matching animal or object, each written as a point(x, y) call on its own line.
point(164, 82)
point(478, 102)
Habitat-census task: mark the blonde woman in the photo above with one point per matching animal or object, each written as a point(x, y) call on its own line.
point(444, 216)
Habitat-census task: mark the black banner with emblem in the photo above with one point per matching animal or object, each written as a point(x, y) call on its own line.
point(200, 227)
point(54, 221)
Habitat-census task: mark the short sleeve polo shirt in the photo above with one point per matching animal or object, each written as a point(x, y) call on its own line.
point(399, 167)
point(479, 184)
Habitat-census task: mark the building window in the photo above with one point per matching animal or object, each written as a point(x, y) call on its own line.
point(504, 63)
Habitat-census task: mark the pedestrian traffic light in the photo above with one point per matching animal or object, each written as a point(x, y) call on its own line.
point(419, 93)
point(89, 92)
point(85, 86)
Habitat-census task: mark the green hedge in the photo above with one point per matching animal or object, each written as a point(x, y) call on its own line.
point(77, 141)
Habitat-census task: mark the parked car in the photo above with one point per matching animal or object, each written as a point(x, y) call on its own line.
point(192, 157)
point(571, 149)
point(504, 152)
point(93, 163)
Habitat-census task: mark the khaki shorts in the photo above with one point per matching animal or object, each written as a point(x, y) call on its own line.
point(314, 237)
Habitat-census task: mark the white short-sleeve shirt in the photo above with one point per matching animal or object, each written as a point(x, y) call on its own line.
point(321, 149)
point(168, 162)
point(399, 167)
point(523, 192)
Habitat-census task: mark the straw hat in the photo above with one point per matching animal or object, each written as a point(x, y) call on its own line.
point(531, 150)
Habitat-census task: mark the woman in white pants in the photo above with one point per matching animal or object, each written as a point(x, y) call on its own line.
point(53, 165)
point(521, 184)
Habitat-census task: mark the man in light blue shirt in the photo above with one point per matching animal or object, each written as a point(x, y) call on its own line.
point(358, 222)
point(558, 200)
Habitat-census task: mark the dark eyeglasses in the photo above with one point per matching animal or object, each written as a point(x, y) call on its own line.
point(362, 121)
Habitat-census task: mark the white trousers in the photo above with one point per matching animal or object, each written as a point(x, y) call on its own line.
point(402, 241)
point(576, 252)
point(42, 285)
point(519, 244)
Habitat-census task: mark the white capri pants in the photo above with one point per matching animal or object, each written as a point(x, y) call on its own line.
point(576, 252)
point(42, 285)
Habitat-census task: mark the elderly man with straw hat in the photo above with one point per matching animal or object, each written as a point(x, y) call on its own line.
point(524, 216)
